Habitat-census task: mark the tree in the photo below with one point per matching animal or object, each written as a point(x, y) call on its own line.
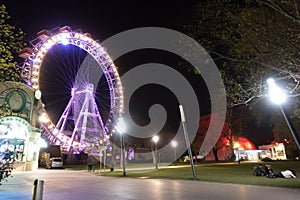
point(269, 43)
point(221, 143)
point(204, 123)
point(288, 8)
point(11, 42)
point(250, 41)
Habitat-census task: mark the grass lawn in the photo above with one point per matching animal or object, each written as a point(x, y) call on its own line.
point(216, 172)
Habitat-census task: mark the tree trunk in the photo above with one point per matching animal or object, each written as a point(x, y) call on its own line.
point(215, 152)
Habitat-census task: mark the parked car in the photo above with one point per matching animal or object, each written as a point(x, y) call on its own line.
point(55, 162)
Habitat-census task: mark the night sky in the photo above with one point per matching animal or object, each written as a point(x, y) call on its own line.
point(101, 18)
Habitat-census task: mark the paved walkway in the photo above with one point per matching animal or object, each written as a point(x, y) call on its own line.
point(81, 185)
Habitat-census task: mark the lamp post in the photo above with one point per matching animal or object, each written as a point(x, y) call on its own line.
point(277, 96)
point(187, 141)
point(120, 127)
point(174, 145)
point(155, 140)
point(43, 119)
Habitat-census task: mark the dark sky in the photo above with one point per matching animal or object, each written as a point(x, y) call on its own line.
point(101, 18)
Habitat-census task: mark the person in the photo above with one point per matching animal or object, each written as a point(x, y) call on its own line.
point(270, 172)
point(258, 170)
point(90, 163)
point(282, 174)
point(268, 169)
point(287, 174)
point(111, 166)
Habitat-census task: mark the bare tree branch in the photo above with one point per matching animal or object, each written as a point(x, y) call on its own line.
point(297, 8)
point(281, 10)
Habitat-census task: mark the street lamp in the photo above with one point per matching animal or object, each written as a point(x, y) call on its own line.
point(43, 119)
point(174, 145)
point(277, 96)
point(187, 141)
point(120, 127)
point(155, 140)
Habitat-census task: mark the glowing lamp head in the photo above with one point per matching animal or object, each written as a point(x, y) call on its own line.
point(121, 127)
point(174, 143)
point(276, 95)
point(271, 82)
point(44, 118)
point(155, 139)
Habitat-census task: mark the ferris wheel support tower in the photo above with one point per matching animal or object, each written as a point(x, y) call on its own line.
point(88, 125)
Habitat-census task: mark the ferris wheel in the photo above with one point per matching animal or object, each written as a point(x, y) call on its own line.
point(78, 84)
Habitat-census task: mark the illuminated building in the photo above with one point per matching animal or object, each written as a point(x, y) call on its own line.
point(19, 135)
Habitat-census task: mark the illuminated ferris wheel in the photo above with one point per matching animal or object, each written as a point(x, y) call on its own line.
point(75, 79)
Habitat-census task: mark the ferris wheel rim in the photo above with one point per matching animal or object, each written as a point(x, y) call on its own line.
point(94, 49)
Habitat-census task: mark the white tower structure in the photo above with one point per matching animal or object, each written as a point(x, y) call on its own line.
point(82, 121)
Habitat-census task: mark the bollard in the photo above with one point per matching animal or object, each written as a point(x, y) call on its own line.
point(38, 187)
